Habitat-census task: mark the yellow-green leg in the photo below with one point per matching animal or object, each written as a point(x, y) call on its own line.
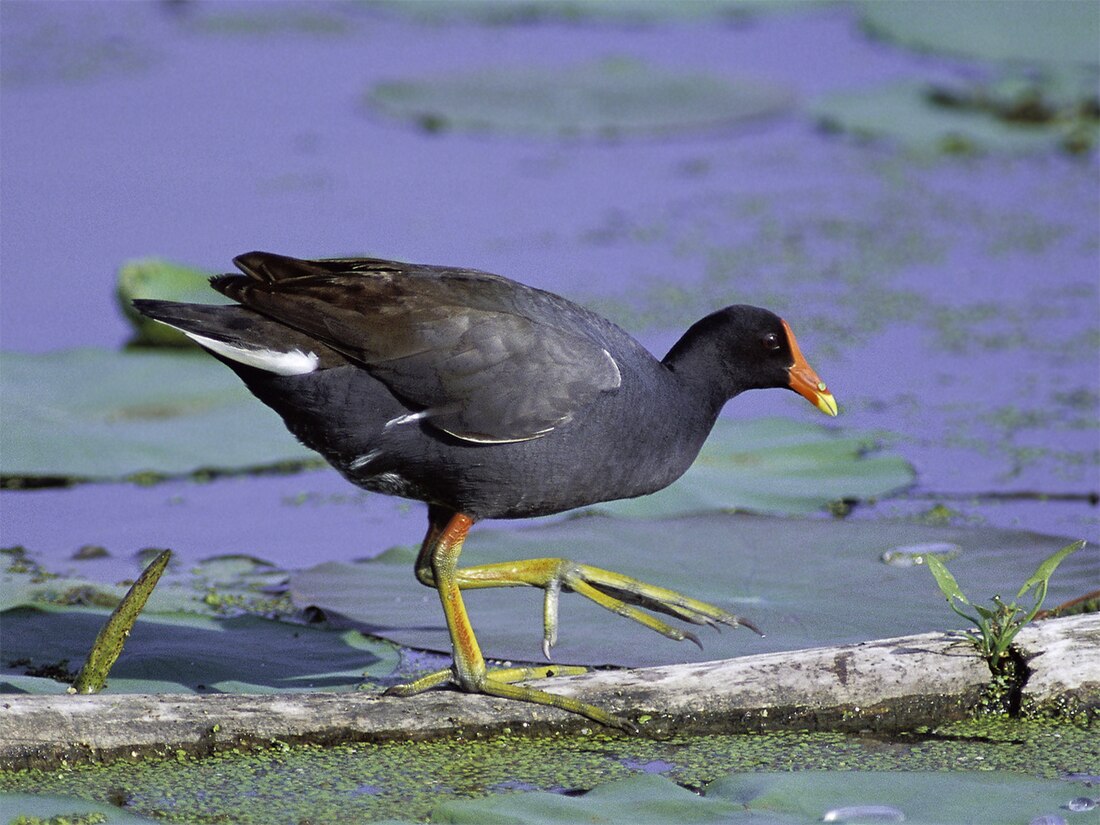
point(442, 546)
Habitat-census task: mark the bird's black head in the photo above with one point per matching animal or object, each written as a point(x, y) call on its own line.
point(743, 348)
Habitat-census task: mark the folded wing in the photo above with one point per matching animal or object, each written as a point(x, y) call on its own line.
point(459, 346)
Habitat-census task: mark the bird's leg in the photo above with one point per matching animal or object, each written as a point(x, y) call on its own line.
point(441, 549)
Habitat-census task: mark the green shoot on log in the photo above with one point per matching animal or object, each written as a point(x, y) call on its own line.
point(998, 626)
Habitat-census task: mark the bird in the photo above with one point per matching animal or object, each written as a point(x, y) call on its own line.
point(489, 399)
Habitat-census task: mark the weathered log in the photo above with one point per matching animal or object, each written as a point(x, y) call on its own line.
point(1062, 660)
point(891, 684)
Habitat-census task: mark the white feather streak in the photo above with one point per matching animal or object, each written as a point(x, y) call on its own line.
point(294, 362)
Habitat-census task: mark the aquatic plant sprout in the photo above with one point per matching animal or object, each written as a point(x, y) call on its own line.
point(108, 644)
point(997, 627)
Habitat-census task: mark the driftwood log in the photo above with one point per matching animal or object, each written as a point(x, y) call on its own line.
point(885, 685)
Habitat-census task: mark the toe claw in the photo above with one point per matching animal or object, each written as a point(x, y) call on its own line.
point(749, 625)
point(691, 637)
point(626, 726)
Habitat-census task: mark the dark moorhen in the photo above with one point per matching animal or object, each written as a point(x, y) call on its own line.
point(486, 398)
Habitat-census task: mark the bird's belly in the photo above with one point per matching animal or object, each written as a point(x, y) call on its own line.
point(535, 479)
point(349, 417)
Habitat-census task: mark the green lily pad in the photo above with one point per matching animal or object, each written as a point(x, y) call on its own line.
point(44, 46)
point(180, 653)
point(642, 799)
point(610, 98)
point(923, 119)
point(1047, 63)
point(43, 809)
point(631, 12)
point(804, 582)
point(788, 798)
point(29, 589)
point(216, 586)
point(157, 278)
point(96, 415)
point(1007, 30)
point(774, 466)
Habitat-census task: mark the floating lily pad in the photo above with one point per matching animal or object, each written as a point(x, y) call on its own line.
point(157, 278)
point(271, 20)
point(610, 98)
point(49, 44)
point(923, 119)
point(1007, 30)
point(804, 582)
point(181, 653)
point(90, 414)
point(774, 466)
point(639, 799)
point(183, 641)
point(788, 798)
point(213, 587)
point(43, 809)
point(635, 12)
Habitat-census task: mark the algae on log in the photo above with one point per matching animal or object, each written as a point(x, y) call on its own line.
point(887, 685)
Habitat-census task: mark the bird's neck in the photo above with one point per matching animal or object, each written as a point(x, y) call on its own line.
point(699, 371)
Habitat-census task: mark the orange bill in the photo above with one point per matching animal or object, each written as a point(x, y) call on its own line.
point(805, 382)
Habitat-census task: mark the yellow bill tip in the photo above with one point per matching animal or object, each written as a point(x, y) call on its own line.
point(825, 401)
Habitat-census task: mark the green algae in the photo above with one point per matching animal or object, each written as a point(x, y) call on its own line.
point(406, 780)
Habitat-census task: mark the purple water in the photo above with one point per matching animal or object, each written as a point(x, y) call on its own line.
point(952, 303)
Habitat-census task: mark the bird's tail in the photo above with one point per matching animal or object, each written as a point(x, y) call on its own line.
point(238, 334)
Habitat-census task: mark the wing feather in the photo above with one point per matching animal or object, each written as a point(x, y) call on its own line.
point(481, 357)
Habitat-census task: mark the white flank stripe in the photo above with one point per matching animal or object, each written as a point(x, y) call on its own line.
point(364, 460)
point(618, 373)
point(484, 439)
point(294, 362)
point(408, 418)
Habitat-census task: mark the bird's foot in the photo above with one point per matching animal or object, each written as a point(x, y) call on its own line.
point(503, 682)
point(620, 594)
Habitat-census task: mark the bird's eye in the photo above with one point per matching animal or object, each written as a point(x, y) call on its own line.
point(771, 341)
